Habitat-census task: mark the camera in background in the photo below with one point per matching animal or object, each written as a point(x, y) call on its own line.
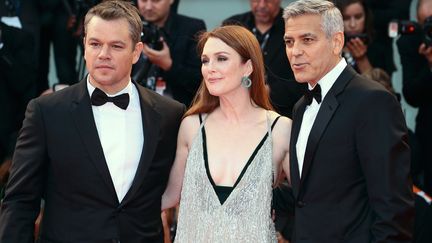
point(363, 37)
point(152, 36)
point(406, 27)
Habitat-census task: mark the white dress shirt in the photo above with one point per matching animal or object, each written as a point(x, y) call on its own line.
point(311, 111)
point(122, 138)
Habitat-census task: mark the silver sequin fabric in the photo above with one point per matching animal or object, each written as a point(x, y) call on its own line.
point(246, 214)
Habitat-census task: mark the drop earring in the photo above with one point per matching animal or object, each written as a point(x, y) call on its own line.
point(246, 82)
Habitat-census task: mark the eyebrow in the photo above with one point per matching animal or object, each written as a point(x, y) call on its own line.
point(218, 53)
point(301, 36)
point(111, 42)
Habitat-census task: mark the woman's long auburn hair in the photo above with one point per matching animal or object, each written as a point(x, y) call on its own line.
point(247, 46)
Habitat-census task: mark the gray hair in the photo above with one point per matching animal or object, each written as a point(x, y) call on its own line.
point(332, 20)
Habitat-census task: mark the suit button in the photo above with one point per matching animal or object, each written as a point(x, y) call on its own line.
point(301, 204)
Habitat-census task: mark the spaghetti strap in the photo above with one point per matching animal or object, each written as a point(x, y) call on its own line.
point(274, 122)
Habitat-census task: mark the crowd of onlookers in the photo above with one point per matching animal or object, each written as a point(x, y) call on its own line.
point(169, 64)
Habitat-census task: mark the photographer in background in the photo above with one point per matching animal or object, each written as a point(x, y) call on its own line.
point(175, 64)
point(361, 51)
point(60, 26)
point(416, 58)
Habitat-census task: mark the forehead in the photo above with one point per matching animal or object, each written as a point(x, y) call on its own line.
point(215, 45)
point(108, 29)
point(424, 11)
point(276, 2)
point(353, 8)
point(302, 25)
point(164, 2)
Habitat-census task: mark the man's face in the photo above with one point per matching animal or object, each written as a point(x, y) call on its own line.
point(109, 53)
point(155, 11)
point(310, 53)
point(265, 11)
point(424, 11)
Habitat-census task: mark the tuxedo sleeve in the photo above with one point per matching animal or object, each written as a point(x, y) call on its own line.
point(382, 147)
point(21, 204)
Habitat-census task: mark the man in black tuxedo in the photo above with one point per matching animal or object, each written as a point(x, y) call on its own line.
point(99, 152)
point(416, 60)
point(177, 62)
point(266, 22)
point(349, 154)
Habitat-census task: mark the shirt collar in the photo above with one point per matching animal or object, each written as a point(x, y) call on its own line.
point(329, 79)
point(126, 90)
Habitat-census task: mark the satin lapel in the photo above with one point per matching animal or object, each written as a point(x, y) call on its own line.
point(151, 126)
point(82, 114)
point(297, 120)
point(328, 107)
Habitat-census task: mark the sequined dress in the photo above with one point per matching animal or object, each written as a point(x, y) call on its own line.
point(245, 216)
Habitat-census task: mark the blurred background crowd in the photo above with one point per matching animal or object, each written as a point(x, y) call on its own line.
point(41, 52)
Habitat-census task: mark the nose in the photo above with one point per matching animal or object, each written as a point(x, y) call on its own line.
point(208, 67)
point(352, 23)
point(148, 5)
point(261, 3)
point(297, 49)
point(104, 52)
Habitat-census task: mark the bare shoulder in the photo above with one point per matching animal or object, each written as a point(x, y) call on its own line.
point(283, 124)
point(189, 128)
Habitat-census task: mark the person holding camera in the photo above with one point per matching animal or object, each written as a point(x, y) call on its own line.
point(416, 58)
point(175, 62)
point(360, 50)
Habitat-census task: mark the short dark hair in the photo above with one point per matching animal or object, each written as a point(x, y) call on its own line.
point(117, 9)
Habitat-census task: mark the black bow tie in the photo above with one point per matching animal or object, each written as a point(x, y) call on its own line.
point(314, 93)
point(99, 98)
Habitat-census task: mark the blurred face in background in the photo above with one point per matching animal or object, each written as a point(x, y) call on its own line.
point(265, 11)
point(424, 11)
point(354, 18)
point(155, 11)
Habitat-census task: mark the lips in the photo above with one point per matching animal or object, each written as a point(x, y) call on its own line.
point(298, 66)
point(104, 67)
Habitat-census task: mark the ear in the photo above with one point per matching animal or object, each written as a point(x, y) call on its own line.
point(249, 68)
point(137, 51)
point(338, 41)
point(84, 45)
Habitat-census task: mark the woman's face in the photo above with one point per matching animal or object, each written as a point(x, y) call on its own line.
point(222, 67)
point(354, 18)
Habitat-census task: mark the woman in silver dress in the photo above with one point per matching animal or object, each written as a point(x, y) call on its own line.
point(231, 146)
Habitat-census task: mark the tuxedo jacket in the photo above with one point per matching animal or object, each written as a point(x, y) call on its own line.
point(284, 90)
point(355, 184)
point(59, 158)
